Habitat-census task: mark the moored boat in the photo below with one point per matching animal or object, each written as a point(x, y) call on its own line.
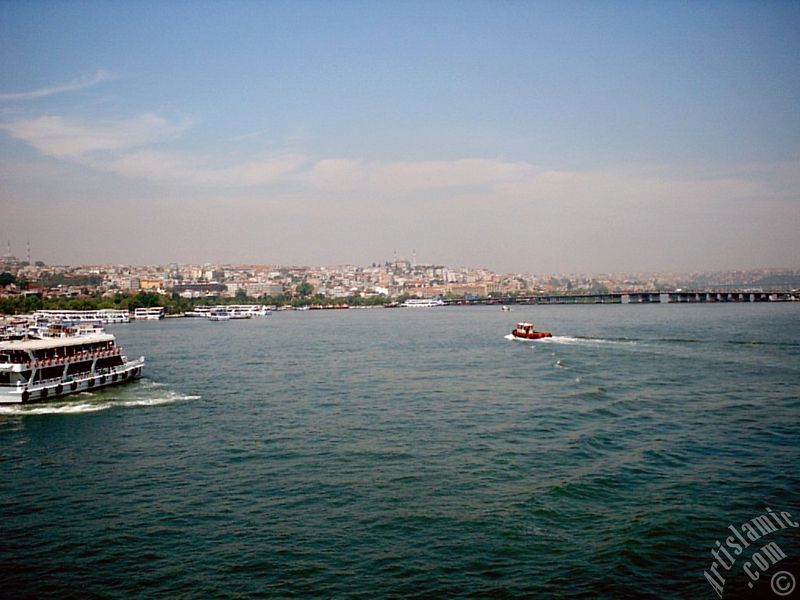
point(104, 315)
point(36, 370)
point(422, 303)
point(153, 313)
point(526, 331)
point(219, 314)
point(245, 311)
point(234, 311)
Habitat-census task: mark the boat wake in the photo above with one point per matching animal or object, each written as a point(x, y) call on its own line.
point(150, 394)
point(576, 341)
point(522, 339)
point(586, 341)
point(55, 408)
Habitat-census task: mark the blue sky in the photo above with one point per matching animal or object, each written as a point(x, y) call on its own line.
point(520, 136)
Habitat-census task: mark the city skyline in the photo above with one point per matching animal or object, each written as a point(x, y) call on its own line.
point(33, 270)
point(516, 137)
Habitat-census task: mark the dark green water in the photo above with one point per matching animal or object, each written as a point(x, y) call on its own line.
point(412, 453)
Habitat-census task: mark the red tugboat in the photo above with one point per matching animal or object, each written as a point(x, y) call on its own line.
point(525, 331)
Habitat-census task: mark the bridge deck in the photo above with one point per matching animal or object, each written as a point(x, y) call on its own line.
point(652, 297)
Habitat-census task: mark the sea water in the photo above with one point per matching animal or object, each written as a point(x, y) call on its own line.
point(412, 453)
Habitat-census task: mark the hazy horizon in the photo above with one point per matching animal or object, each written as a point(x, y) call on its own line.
point(518, 137)
point(420, 263)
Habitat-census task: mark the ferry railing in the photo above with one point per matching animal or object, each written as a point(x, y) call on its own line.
point(61, 360)
point(84, 375)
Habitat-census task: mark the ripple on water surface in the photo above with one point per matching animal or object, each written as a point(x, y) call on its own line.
point(409, 453)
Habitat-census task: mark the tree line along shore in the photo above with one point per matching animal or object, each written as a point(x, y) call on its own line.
point(173, 303)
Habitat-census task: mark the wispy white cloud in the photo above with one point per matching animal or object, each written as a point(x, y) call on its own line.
point(174, 168)
point(78, 84)
point(629, 186)
point(468, 172)
point(126, 148)
point(249, 135)
point(68, 138)
point(337, 175)
point(345, 174)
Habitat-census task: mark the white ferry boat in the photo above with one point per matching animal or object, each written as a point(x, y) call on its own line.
point(245, 311)
point(152, 313)
point(201, 311)
point(235, 311)
point(219, 314)
point(105, 316)
point(421, 303)
point(35, 370)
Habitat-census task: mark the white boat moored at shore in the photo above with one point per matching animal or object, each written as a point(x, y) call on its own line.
point(235, 311)
point(103, 315)
point(219, 314)
point(153, 313)
point(422, 303)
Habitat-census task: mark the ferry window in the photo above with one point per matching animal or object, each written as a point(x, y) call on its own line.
point(5, 358)
point(5, 378)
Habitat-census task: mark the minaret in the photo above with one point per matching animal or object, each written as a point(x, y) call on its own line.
point(28, 248)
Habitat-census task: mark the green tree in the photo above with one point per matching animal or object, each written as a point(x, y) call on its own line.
point(305, 289)
point(145, 300)
point(30, 304)
point(7, 278)
point(178, 304)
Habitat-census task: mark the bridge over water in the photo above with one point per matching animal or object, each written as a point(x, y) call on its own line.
point(648, 297)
